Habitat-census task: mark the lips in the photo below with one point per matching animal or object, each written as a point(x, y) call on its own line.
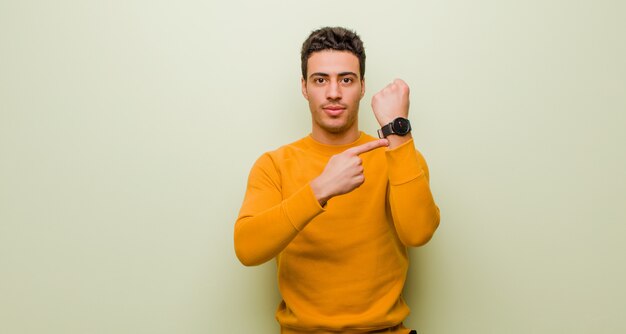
point(333, 110)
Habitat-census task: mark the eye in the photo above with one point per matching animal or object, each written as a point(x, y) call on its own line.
point(346, 80)
point(319, 80)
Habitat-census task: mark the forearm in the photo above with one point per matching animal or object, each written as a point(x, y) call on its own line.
point(414, 212)
point(260, 238)
point(260, 235)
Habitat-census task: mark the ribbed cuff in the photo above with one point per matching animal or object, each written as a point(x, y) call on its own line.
point(403, 165)
point(301, 207)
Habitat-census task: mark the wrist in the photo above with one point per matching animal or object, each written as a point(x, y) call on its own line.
point(395, 141)
point(399, 126)
point(382, 121)
point(319, 191)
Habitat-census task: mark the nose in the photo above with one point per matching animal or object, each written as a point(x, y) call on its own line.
point(333, 91)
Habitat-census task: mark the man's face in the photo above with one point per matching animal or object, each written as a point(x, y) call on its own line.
point(334, 89)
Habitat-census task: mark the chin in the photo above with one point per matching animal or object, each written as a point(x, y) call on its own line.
point(335, 128)
point(335, 131)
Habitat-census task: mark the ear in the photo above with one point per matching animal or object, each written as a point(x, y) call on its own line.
point(362, 87)
point(304, 92)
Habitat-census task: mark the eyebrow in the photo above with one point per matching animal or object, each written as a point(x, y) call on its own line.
point(341, 74)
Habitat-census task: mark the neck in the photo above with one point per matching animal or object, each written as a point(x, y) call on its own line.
point(329, 138)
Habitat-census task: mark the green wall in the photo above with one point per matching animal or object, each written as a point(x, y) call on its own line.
point(127, 130)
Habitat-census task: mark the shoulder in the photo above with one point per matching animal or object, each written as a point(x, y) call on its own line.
point(285, 151)
point(275, 158)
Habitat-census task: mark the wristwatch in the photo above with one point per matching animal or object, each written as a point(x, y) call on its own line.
point(400, 126)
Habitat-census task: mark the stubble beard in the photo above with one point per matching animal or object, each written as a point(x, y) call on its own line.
point(350, 121)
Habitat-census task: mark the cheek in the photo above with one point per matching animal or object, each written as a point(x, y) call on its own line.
point(312, 94)
point(356, 96)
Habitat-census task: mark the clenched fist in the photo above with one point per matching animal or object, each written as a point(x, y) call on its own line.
point(391, 102)
point(343, 172)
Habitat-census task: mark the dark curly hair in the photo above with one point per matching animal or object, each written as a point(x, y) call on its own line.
point(333, 38)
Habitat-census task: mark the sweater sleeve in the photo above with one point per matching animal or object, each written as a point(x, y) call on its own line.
point(267, 222)
point(414, 212)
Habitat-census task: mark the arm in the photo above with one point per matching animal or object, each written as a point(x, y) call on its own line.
point(415, 215)
point(267, 223)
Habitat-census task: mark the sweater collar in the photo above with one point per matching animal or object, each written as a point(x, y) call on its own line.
point(329, 150)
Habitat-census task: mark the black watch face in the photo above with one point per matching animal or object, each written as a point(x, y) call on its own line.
point(401, 125)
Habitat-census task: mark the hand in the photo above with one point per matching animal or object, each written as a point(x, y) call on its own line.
point(391, 102)
point(343, 172)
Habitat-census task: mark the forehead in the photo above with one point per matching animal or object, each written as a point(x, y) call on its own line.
point(332, 62)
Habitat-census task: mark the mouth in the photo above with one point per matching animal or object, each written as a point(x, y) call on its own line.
point(333, 110)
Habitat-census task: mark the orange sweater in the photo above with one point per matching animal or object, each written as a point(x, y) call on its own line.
point(342, 267)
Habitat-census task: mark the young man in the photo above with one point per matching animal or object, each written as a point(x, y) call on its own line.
point(338, 208)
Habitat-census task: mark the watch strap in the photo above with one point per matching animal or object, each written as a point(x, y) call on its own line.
point(385, 131)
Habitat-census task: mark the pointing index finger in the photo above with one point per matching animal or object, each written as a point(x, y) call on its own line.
point(369, 146)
